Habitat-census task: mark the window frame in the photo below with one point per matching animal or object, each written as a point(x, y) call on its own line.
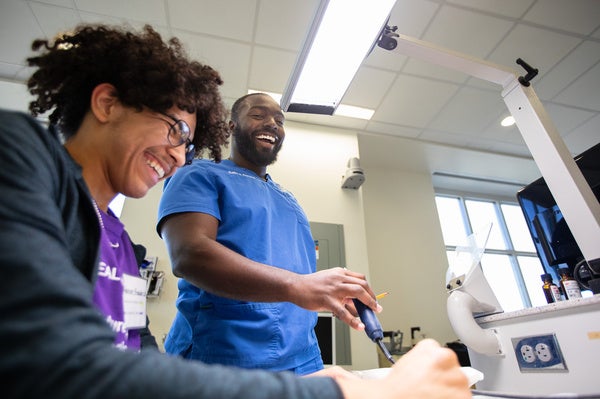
point(510, 250)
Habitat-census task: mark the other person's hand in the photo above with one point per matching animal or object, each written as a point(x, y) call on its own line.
point(335, 372)
point(428, 371)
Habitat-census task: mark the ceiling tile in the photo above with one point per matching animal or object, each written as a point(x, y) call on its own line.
point(389, 60)
point(412, 16)
point(581, 59)
point(496, 132)
point(467, 32)
point(584, 136)
point(414, 101)
point(18, 28)
point(149, 11)
point(392, 129)
point(567, 118)
point(445, 138)
point(231, 59)
point(94, 18)
point(540, 48)
point(60, 3)
point(54, 19)
point(368, 88)
point(284, 23)
point(233, 19)
point(498, 135)
point(270, 69)
point(468, 112)
point(518, 149)
point(9, 71)
point(583, 92)
point(509, 8)
point(579, 16)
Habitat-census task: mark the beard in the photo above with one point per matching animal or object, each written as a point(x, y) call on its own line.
point(246, 146)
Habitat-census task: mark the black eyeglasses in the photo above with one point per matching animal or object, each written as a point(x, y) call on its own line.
point(178, 134)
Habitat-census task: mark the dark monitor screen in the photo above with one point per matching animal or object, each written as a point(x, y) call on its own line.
point(554, 242)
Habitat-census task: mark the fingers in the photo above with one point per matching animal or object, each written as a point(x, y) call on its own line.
point(349, 316)
point(361, 290)
point(434, 365)
point(438, 360)
point(334, 290)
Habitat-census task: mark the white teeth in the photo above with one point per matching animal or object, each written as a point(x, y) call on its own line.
point(266, 137)
point(160, 171)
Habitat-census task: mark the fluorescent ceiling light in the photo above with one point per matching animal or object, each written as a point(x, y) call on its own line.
point(508, 121)
point(342, 110)
point(342, 34)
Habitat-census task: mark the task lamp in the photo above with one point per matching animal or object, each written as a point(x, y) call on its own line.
point(342, 34)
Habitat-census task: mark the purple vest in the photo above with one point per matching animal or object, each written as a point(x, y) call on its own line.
point(116, 258)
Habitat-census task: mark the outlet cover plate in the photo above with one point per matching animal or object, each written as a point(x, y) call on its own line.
point(539, 353)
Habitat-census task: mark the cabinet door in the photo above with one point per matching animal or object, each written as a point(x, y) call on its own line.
point(331, 332)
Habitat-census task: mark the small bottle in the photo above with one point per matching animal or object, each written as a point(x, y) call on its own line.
point(551, 290)
point(569, 285)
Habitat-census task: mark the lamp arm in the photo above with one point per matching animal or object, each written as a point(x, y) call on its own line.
point(569, 188)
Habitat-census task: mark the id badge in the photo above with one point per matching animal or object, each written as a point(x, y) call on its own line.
point(134, 301)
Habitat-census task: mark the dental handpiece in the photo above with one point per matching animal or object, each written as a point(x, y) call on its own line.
point(372, 327)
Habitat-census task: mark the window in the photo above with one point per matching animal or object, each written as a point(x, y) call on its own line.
point(509, 262)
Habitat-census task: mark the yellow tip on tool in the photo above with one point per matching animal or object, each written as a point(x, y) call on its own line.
point(382, 295)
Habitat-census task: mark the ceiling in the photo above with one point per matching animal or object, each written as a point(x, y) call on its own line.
point(454, 119)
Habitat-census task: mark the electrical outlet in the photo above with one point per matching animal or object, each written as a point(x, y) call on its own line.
point(527, 353)
point(543, 352)
point(538, 353)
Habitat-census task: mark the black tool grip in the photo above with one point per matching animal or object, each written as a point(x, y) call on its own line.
point(367, 316)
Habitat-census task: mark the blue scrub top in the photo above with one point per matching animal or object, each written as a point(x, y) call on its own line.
point(274, 336)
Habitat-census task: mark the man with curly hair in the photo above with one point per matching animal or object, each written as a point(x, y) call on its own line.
point(165, 93)
point(129, 110)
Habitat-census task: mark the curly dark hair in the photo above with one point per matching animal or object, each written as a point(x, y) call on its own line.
point(145, 70)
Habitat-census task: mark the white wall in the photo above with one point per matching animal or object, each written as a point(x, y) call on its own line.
point(406, 252)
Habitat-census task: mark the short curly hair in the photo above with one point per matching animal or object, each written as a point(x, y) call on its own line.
point(145, 70)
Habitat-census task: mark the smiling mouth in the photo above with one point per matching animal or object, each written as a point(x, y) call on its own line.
point(272, 139)
point(157, 168)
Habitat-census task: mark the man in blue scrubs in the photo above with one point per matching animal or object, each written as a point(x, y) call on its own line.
point(242, 245)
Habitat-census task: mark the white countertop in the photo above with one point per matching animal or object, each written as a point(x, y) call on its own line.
point(568, 305)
